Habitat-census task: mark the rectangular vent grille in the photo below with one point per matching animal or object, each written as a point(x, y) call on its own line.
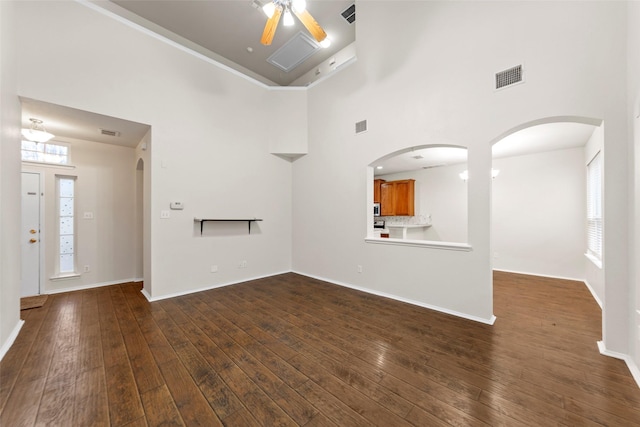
point(509, 77)
point(350, 14)
point(294, 52)
point(109, 132)
point(361, 126)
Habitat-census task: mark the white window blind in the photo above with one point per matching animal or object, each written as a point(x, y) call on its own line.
point(594, 206)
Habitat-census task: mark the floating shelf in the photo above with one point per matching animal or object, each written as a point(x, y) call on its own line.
point(203, 220)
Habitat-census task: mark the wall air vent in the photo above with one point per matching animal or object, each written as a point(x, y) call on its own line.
point(361, 126)
point(294, 52)
point(109, 132)
point(349, 14)
point(509, 77)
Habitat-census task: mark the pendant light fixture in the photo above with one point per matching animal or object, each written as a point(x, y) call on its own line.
point(37, 132)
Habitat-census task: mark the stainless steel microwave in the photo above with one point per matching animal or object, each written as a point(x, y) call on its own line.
point(376, 209)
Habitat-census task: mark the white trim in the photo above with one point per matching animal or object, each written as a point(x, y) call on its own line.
point(594, 259)
point(64, 277)
point(489, 321)
point(11, 339)
point(593, 294)
point(90, 286)
point(635, 372)
point(420, 243)
point(138, 279)
point(207, 288)
point(539, 274)
point(47, 165)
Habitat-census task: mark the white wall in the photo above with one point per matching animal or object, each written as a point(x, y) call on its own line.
point(9, 183)
point(633, 49)
point(593, 273)
point(538, 214)
point(442, 195)
point(208, 133)
point(106, 187)
point(438, 89)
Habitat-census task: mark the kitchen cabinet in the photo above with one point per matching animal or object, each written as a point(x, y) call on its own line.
point(397, 198)
point(377, 183)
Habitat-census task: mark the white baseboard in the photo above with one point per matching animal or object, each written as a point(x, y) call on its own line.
point(489, 321)
point(207, 288)
point(10, 340)
point(90, 286)
point(635, 372)
point(593, 294)
point(527, 273)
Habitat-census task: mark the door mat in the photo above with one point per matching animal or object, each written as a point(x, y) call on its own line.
point(33, 302)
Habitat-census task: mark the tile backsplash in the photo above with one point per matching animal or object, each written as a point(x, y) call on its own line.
point(410, 220)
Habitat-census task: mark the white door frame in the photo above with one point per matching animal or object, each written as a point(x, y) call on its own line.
point(41, 251)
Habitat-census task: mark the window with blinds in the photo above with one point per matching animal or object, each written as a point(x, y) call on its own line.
point(594, 207)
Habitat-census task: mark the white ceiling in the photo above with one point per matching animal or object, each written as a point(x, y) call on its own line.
point(227, 28)
point(65, 122)
point(534, 139)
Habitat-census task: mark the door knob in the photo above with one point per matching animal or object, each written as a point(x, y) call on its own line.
point(33, 240)
point(32, 231)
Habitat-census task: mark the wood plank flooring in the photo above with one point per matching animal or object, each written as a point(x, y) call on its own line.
point(290, 350)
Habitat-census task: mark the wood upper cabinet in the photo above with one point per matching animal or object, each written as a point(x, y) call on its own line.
point(377, 183)
point(397, 198)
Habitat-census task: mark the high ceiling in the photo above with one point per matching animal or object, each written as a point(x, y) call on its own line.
point(230, 31)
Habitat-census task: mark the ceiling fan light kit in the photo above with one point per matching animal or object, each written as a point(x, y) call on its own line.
point(277, 8)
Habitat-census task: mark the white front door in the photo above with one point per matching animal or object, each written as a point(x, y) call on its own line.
point(30, 234)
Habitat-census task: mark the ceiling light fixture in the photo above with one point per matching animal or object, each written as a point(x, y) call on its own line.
point(37, 132)
point(276, 8)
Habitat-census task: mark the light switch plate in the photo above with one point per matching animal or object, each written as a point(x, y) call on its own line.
point(165, 214)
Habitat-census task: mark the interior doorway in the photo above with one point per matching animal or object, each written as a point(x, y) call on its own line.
point(139, 268)
point(539, 200)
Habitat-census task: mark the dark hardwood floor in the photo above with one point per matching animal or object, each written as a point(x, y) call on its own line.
point(290, 350)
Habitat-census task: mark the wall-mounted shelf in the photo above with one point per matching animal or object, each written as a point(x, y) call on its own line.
point(203, 220)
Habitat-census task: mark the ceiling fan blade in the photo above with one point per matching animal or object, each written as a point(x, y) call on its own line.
point(270, 28)
point(314, 28)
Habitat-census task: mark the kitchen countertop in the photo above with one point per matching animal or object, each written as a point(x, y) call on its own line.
point(407, 225)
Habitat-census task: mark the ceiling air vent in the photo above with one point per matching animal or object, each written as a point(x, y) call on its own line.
point(293, 52)
point(350, 14)
point(361, 126)
point(509, 77)
point(109, 132)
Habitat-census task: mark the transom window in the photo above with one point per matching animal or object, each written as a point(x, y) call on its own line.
point(45, 152)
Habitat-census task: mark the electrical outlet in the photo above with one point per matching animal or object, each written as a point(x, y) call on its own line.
point(496, 255)
point(214, 268)
point(359, 269)
point(243, 264)
point(87, 268)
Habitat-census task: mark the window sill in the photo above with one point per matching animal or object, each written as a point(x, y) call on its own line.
point(48, 165)
point(65, 276)
point(597, 262)
point(420, 243)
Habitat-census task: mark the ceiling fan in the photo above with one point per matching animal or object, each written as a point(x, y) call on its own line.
point(276, 8)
